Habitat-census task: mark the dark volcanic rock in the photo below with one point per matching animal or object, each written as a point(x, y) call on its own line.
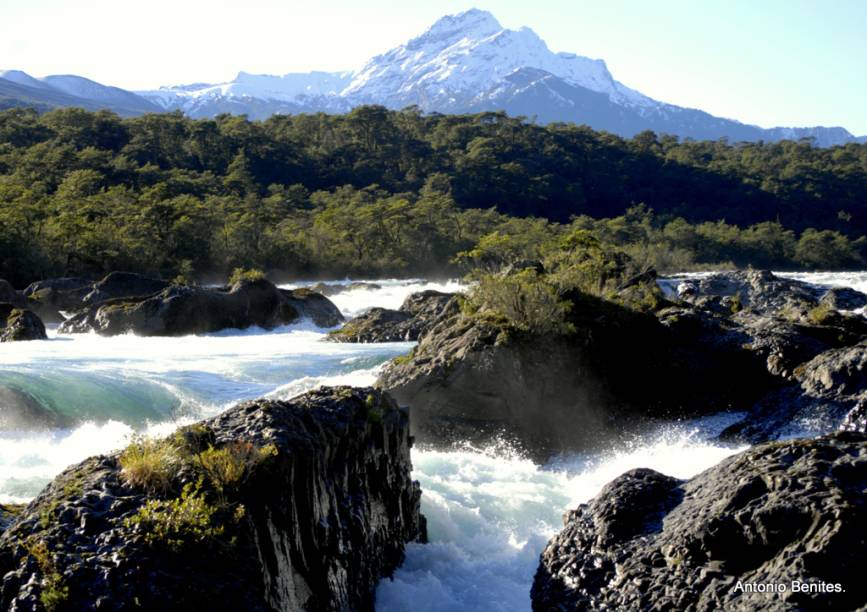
point(472, 379)
point(314, 526)
point(49, 298)
point(838, 372)
point(417, 314)
point(18, 324)
point(758, 290)
point(123, 285)
point(844, 298)
point(328, 289)
point(313, 306)
point(183, 310)
point(777, 513)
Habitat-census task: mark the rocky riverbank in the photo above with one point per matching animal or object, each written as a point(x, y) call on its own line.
point(294, 505)
point(784, 515)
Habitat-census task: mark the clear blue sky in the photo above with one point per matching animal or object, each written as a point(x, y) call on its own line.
point(769, 62)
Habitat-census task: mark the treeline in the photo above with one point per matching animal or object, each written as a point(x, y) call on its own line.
point(382, 192)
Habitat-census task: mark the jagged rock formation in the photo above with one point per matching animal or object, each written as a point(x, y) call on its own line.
point(184, 310)
point(814, 350)
point(18, 324)
point(469, 378)
point(317, 520)
point(781, 513)
point(417, 313)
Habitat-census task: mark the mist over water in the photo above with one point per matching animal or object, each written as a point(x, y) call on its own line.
point(490, 511)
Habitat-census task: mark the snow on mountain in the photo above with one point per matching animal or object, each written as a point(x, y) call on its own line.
point(461, 55)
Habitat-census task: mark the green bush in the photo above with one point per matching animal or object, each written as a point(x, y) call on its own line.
point(54, 592)
point(228, 467)
point(151, 464)
point(526, 300)
point(180, 522)
point(245, 275)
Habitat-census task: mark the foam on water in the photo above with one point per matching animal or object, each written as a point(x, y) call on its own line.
point(490, 515)
point(490, 512)
point(391, 294)
point(111, 388)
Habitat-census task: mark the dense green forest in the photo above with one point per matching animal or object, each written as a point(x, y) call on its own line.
point(377, 192)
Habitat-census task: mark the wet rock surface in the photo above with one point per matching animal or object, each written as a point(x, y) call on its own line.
point(184, 310)
point(328, 289)
point(779, 513)
point(417, 314)
point(471, 379)
point(18, 324)
point(314, 526)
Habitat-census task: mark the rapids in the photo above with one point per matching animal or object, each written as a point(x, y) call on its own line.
point(490, 511)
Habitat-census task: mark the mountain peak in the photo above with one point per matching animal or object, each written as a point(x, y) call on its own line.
point(473, 24)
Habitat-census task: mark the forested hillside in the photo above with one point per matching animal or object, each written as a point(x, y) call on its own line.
point(379, 192)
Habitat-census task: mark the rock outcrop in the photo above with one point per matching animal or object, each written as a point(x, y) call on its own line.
point(124, 285)
point(185, 310)
point(786, 513)
point(50, 298)
point(417, 314)
point(17, 324)
point(759, 290)
point(469, 378)
point(320, 510)
point(328, 289)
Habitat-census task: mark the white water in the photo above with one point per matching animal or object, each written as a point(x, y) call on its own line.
point(489, 512)
point(855, 280)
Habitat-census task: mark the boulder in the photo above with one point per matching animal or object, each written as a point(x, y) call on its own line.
point(838, 372)
point(417, 313)
point(329, 289)
point(321, 511)
point(313, 306)
point(18, 324)
point(52, 297)
point(185, 310)
point(784, 513)
point(844, 298)
point(123, 285)
point(759, 290)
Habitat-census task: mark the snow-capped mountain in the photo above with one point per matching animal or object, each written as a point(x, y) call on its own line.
point(464, 63)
